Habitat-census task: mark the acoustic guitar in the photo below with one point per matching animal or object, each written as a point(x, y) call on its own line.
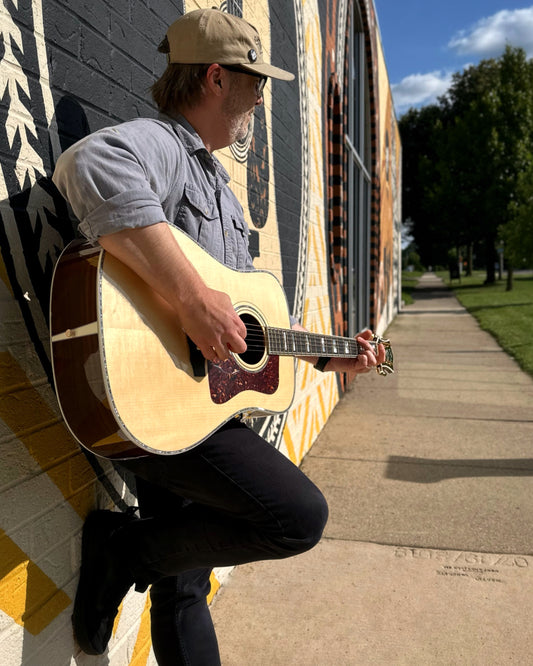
point(129, 381)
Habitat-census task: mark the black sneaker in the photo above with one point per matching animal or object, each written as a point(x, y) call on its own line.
point(104, 581)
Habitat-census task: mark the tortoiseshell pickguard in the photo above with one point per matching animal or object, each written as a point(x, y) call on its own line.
point(227, 379)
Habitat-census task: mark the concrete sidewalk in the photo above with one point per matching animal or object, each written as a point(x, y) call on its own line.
point(428, 554)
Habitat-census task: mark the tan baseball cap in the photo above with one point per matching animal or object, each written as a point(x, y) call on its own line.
point(206, 36)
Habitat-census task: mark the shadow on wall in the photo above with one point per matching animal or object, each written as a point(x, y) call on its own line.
point(34, 227)
point(47, 485)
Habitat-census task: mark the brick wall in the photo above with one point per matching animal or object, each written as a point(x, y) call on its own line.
point(69, 68)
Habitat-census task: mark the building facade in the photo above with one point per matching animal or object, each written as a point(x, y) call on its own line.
point(319, 179)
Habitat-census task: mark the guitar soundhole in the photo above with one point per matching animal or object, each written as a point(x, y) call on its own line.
point(255, 339)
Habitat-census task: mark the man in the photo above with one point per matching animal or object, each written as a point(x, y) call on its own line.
point(233, 498)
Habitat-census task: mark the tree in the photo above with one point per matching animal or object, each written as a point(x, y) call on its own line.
point(470, 109)
point(517, 234)
point(419, 130)
point(515, 158)
point(463, 158)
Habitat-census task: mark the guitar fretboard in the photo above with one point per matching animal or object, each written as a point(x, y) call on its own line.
point(286, 342)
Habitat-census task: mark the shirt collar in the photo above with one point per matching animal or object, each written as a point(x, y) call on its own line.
point(193, 143)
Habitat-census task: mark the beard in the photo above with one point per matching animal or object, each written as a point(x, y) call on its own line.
point(237, 116)
point(237, 125)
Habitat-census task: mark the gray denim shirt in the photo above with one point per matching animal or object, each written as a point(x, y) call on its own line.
point(147, 171)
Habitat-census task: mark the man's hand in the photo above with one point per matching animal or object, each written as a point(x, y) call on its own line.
point(367, 360)
point(211, 322)
point(206, 315)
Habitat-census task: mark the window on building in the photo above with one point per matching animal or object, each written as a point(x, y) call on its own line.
point(357, 175)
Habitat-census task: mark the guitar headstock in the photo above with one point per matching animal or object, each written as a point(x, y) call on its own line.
point(386, 368)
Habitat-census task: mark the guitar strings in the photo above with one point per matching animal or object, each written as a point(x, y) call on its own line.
point(257, 337)
point(316, 344)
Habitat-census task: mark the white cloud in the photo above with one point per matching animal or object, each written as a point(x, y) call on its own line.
point(489, 36)
point(486, 39)
point(420, 89)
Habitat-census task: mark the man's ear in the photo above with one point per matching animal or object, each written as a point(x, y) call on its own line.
point(214, 78)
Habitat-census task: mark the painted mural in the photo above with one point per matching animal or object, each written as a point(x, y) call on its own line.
point(67, 70)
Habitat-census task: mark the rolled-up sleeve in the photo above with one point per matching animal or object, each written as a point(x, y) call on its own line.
point(112, 180)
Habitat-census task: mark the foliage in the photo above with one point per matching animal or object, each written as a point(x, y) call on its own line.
point(517, 234)
point(465, 157)
point(419, 129)
point(411, 258)
point(507, 316)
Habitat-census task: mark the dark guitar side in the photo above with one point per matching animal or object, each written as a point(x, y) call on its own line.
point(77, 368)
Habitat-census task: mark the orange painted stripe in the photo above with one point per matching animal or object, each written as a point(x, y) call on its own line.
point(27, 594)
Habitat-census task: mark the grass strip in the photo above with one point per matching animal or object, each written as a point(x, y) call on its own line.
point(506, 315)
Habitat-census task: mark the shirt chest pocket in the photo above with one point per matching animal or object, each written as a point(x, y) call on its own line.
point(240, 238)
point(197, 214)
point(240, 228)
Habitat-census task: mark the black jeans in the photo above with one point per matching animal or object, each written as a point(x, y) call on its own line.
point(232, 499)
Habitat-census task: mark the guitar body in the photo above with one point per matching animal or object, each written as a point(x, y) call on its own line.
point(128, 380)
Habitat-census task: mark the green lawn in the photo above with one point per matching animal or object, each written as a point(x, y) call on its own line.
point(507, 315)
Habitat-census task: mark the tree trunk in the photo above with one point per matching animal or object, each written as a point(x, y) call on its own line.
point(491, 258)
point(509, 286)
point(470, 259)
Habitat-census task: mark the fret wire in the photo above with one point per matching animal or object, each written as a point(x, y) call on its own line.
point(286, 341)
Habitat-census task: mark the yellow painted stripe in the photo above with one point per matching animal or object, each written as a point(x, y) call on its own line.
point(215, 586)
point(36, 426)
point(319, 241)
point(312, 427)
point(141, 651)
point(289, 444)
point(334, 398)
point(321, 405)
point(117, 617)
point(305, 430)
point(26, 593)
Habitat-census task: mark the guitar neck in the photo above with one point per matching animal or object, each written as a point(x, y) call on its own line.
point(287, 342)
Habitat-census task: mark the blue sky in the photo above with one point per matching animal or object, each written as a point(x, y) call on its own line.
point(425, 42)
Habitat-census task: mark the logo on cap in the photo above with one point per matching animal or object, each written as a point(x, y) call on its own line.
point(252, 55)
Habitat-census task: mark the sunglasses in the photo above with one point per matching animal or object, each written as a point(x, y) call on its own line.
point(259, 85)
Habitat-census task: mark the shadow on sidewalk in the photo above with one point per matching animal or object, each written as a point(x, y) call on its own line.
point(429, 470)
point(447, 311)
point(427, 292)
